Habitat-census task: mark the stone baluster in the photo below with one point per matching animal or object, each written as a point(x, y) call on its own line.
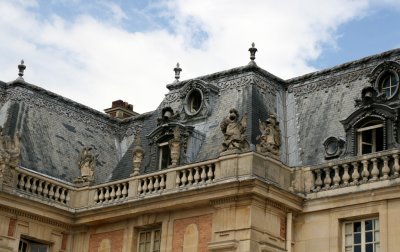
point(162, 182)
point(51, 191)
point(178, 179)
point(57, 193)
point(107, 194)
point(34, 187)
point(190, 177)
point(46, 189)
point(67, 198)
point(28, 184)
point(336, 177)
point(119, 192)
point(196, 175)
point(318, 180)
point(210, 173)
point(396, 166)
point(355, 176)
point(40, 187)
point(203, 175)
point(140, 187)
point(156, 183)
point(112, 193)
point(375, 170)
point(385, 168)
point(327, 180)
point(124, 190)
point(21, 181)
point(184, 178)
point(101, 195)
point(96, 196)
point(346, 176)
point(62, 195)
point(151, 185)
point(144, 189)
point(365, 172)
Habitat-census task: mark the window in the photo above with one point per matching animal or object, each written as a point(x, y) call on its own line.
point(164, 157)
point(361, 236)
point(370, 138)
point(149, 240)
point(388, 84)
point(31, 246)
point(194, 101)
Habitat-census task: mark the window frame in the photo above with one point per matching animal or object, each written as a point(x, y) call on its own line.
point(152, 232)
point(161, 148)
point(29, 244)
point(380, 82)
point(363, 232)
point(373, 128)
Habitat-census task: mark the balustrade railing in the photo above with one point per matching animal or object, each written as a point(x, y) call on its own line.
point(42, 187)
point(368, 168)
point(111, 193)
point(197, 175)
point(152, 184)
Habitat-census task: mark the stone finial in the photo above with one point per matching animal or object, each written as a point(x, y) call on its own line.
point(21, 68)
point(234, 132)
point(270, 138)
point(252, 51)
point(177, 71)
point(175, 147)
point(86, 163)
point(138, 155)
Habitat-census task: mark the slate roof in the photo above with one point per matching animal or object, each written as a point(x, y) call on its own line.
point(309, 108)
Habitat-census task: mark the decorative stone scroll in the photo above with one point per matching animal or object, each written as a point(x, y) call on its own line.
point(234, 132)
point(10, 153)
point(138, 155)
point(87, 164)
point(270, 138)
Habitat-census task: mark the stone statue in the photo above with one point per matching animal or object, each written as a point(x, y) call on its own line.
point(175, 147)
point(138, 155)
point(87, 163)
point(10, 153)
point(234, 132)
point(270, 138)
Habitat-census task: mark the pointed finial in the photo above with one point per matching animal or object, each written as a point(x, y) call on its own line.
point(252, 51)
point(21, 68)
point(177, 70)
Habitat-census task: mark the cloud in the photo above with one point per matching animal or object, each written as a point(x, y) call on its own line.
point(95, 62)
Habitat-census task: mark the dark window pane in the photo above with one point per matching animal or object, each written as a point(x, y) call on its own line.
point(368, 224)
point(357, 248)
point(379, 139)
point(367, 136)
point(357, 226)
point(366, 149)
point(357, 238)
point(369, 248)
point(368, 237)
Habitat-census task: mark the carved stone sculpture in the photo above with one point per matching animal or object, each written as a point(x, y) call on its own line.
point(234, 132)
point(87, 164)
point(138, 155)
point(10, 152)
point(175, 147)
point(270, 138)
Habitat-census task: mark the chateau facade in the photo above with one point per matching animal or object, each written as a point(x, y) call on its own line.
point(239, 160)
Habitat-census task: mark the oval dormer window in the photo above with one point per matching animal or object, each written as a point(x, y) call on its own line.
point(388, 84)
point(194, 101)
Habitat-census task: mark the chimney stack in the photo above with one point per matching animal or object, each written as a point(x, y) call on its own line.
point(120, 109)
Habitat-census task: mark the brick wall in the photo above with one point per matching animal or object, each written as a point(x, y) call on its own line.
point(116, 239)
point(204, 225)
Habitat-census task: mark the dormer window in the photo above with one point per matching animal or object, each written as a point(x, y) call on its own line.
point(370, 138)
point(194, 101)
point(164, 156)
point(388, 84)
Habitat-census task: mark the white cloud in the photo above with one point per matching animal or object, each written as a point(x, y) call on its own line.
point(95, 62)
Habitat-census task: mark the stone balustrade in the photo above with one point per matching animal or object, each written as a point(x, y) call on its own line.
point(197, 175)
point(355, 171)
point(112, 192)
point(43, 187)
point(152, 184)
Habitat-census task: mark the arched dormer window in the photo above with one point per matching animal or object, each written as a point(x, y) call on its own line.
point(370, 137)
point(385, 79)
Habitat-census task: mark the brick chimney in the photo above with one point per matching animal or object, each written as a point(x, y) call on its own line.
point(120, 109)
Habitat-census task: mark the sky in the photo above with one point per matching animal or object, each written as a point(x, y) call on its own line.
point(98, 51)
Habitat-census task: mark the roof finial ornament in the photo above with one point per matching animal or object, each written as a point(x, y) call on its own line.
point(252, 51)
point(21, 68)
point(177, 70)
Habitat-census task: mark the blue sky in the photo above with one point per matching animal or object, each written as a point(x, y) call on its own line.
point(95, 52)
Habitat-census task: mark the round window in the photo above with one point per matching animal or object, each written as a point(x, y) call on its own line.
point(194, 101)
point(388, 84)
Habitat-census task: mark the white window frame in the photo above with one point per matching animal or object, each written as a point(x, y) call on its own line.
point(359, 137)
point(160, 154)
point(152, 239)
point(375, 230)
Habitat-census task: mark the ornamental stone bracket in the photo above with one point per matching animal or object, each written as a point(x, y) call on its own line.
point(10, 157)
